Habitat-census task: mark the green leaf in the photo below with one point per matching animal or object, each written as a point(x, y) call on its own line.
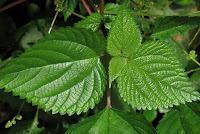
point(124, 36)
point(111, 121)
point(185, 119)
point(169, 26)
point(150, 115)
point(112, 7)
point(60, 73)
point(67, 7)
point(195, 78)
point(115, 66)
point(93, 40)
point(153, 78)
point(92, 22)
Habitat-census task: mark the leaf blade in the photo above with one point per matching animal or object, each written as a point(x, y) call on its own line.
point(169, 26)
point(53, 70)
point(124, 35)
point(154, 78)
point(113, 121)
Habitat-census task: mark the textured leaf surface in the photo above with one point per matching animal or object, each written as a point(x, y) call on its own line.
point(169, 26)
point(93, 40)
point(58, 74)
point(115, 66)
point(92, 22)
point(124, 36)
point(153, 78)
point(111, 121)
point(185, 119)
point(66, 6)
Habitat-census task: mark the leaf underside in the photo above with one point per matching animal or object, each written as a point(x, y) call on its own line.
point(169, 26)
point(61, 73)
point(111, 121)
point(153, 78)
point(184, 119)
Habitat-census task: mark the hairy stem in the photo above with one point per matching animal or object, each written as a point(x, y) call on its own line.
point(54, 19)
point(11, 5)
point(86, 7)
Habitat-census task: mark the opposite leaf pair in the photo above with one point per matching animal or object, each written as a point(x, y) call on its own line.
point(63, 72)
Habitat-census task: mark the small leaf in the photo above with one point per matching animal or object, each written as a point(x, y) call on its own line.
point(61, 73)
point(111, 121)
point(184, 119)
point(116, 65)
point(153, 78)
point(169, 26)
point(150, 115)
point(124, 35)
point(92, 22)
point(192, 54)
point(66, 6)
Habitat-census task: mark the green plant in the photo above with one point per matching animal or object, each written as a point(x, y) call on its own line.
point(67, 71)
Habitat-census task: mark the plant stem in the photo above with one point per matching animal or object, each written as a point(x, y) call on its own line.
point(78, 15)
point(11, 5)
point(102, 7)
point(193, 70)
point(53, 22)
point(194, 37)
point(108, 81)
point(86, 7)
point(34, 121)
point(21, 107)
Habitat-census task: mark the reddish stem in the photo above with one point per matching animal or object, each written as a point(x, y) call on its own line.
point(86, 7)
point(11, 5)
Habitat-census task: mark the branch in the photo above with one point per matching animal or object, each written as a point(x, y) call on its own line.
point(86, 7)
point(53, 22)
point(11, 5)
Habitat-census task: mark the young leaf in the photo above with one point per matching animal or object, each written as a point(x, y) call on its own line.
point(169, 26)
point(67, 7)
point(185, 119)
point(124, 35)
point(153, 78)
point(111, 121)
point(115, 67)
point(92, 22)
point(61, 74)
